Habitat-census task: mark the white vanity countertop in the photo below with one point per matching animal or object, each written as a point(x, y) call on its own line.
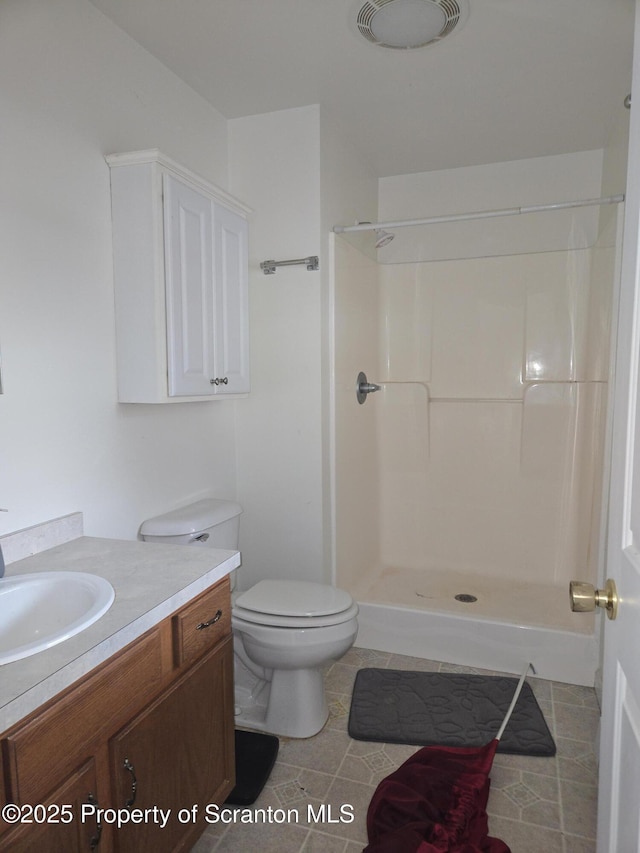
point(150, 580)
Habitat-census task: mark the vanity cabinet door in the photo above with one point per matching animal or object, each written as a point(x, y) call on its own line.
point(177, 754)
point(58, 823)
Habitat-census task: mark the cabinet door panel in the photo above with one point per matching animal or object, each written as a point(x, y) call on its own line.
point(67, 732)
point(189, 281)
point(177, 754)
point(232, 294)
point(58, 833)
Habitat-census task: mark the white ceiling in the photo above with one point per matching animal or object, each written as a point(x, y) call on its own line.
point(521, 78)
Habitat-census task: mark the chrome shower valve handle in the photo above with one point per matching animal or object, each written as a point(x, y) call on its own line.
point(364, 387)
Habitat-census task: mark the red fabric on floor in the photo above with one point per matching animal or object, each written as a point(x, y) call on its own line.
point(435, 803)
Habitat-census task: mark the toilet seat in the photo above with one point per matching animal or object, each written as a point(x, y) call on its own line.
point(295, 604)
point(251, 617)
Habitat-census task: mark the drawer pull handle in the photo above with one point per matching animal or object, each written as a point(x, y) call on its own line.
point(213, 621)
point(95, 839)
point(134, 782)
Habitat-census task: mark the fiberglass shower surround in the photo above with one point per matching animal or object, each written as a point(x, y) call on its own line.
point(487, 431)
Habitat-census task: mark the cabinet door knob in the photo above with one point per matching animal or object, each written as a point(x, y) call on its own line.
point(212, 621)
point(219, 380)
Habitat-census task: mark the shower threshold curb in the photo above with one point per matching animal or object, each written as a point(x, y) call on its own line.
point(484, 643)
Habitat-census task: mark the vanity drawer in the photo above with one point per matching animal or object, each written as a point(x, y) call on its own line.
point(202, 623)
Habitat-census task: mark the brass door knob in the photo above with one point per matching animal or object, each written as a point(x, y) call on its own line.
point(585, 597)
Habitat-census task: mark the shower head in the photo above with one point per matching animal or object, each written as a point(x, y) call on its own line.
point(383, 237)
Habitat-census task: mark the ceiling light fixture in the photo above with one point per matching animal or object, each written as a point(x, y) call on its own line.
point(406, 24)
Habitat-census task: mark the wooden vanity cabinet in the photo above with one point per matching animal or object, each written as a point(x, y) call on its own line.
point(151, 727)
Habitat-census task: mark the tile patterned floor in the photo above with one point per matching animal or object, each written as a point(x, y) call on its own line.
point(536, 804)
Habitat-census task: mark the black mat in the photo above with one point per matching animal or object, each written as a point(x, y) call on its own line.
point(446, 709)
point(255, 756)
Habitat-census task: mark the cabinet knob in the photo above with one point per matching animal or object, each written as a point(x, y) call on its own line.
point(220, 380)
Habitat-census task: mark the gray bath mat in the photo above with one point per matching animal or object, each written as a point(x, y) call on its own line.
point(446, 709)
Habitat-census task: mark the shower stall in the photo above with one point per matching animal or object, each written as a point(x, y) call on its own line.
point(468, 491)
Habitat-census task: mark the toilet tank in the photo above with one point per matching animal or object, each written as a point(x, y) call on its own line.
point(211, 522)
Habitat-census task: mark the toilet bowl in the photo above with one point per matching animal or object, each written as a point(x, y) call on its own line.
point(285, 631)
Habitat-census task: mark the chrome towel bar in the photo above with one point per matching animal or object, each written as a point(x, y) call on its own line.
point(269, 267)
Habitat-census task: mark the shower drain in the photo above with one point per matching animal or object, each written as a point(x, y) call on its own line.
point(466, 597)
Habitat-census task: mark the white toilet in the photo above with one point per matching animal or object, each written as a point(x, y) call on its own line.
point(284, 631)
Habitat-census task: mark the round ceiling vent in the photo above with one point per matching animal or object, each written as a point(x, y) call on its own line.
point(405, 24)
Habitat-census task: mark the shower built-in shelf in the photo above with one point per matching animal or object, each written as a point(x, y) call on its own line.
point(527, 385)
point(518, 400)
point(558, 407)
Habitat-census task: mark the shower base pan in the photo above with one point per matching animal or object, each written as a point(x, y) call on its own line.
point(507, 625)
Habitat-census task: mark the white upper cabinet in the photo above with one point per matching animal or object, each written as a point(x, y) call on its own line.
point(181, 283)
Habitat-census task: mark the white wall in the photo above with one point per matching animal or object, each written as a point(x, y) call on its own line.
point(75, 88)
point(274, 162)
point(293, 170)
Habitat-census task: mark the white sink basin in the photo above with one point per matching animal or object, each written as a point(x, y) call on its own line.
point(40, 610)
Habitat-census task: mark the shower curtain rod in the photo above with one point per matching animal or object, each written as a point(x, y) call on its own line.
point(480, 214)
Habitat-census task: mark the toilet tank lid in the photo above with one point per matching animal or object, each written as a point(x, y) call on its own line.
point(294, 598)
point(191, 518)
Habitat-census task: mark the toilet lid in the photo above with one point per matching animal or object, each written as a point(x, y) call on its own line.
point(294, 598)
point(239, 615)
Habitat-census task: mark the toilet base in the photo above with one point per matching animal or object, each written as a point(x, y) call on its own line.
point(293, 704)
